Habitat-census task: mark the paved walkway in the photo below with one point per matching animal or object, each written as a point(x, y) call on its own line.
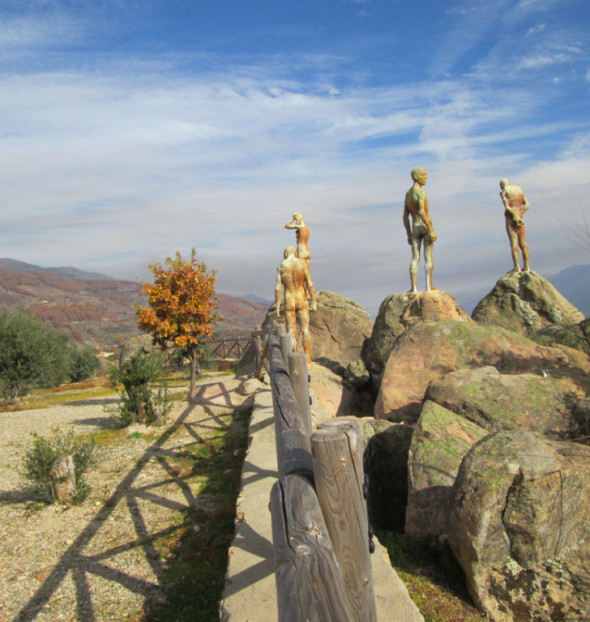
point(250, 593)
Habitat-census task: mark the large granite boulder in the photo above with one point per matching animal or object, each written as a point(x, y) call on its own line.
point(430, 350)
point(339, 328)
point(399, 312)
point(386, 467)
point(335, 396)
point(525, 302)
point(439, 443)
point(572, 335)
point(518, 525)
point(495, 401)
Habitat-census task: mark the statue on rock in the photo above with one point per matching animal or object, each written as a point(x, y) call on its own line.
point(293, 275)
point(420, 230)
point(302, 236)
point(515, 205)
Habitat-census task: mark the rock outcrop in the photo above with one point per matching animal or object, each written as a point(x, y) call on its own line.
point(335, 396)
point(430, 350)
point(518, 525)
point(525, 302)
point(530, 401)
point(439, 443)
point(399, 312)
point(572, 335)
point(339, 329)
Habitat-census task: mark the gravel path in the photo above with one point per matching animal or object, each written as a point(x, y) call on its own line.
point(99, 560)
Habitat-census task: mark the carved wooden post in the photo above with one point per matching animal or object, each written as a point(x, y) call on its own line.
point(297, 365)
point(309, 583)
point(338, 472)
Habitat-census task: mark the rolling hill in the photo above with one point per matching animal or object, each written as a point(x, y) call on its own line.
point(98, 310)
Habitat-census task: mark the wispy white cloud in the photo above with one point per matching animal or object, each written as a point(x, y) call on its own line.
point(114, 164)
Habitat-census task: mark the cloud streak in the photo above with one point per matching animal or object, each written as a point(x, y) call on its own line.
point(122, 158)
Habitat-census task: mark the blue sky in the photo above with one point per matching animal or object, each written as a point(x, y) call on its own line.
point(132, 129)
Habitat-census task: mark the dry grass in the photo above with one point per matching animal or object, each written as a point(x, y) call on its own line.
point(433, 577)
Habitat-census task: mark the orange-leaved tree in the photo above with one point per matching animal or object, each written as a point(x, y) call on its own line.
point(182, 306)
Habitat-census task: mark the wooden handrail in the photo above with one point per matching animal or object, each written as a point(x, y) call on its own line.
point(319, 515)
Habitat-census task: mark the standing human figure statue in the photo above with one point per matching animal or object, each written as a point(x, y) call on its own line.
point(293, 275)
point(515, 205)
point(301, 235)
point(420, 230)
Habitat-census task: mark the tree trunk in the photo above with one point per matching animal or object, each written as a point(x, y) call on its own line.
point(63, 479)
point(191, 393)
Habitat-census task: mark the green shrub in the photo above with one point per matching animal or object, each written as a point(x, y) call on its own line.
point(82, 363)
point(140, 402)
point(34, 355)
point(43, 452)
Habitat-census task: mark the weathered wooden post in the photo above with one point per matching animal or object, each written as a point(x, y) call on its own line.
point(258, 348)
point(292, 438)
point(310, 586)
point(286, 342)
point(338, 474)
point(297, 366)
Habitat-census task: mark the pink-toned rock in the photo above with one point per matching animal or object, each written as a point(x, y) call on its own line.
point(335, 396)
point(399, 312)
point(432, 349)
point(495, 401)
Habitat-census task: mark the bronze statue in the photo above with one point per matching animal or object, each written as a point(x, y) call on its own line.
point(421, 230)
point(293, 274)
point(301, 235)
point(515, 205)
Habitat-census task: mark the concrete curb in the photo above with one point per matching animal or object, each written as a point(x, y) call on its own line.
point(250, 591)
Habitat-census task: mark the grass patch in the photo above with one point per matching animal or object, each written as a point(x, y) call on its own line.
point(434, 579)
point(44, 398)
point(197, 554)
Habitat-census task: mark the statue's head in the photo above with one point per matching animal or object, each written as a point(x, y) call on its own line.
point(290, 251)
point(504, 183)
point(298, 217)
point(419, 174)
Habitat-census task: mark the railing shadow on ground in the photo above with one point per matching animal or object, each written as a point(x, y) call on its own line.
point(82, 565)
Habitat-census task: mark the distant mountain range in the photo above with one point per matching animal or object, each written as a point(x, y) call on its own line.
point(96, 309)
point(573, 283)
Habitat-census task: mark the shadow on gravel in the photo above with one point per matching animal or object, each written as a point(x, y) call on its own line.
point(101, 423)
point(14, 497)
point(130, 492)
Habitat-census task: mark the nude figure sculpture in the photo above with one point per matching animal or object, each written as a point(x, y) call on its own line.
point(515, 205)
point(293, 275)
point(420, 230)
point(301, 235)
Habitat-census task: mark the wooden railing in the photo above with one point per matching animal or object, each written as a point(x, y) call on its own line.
point(229, 347)
point(319, 516)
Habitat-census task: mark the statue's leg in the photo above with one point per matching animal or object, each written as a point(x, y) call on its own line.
point(414, 264)
point(291, 324)
point(428, 264)
point(513, 237)
point(524, 247)
point(304, 323)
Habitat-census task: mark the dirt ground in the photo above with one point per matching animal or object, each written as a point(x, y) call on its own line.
point(99, 560)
